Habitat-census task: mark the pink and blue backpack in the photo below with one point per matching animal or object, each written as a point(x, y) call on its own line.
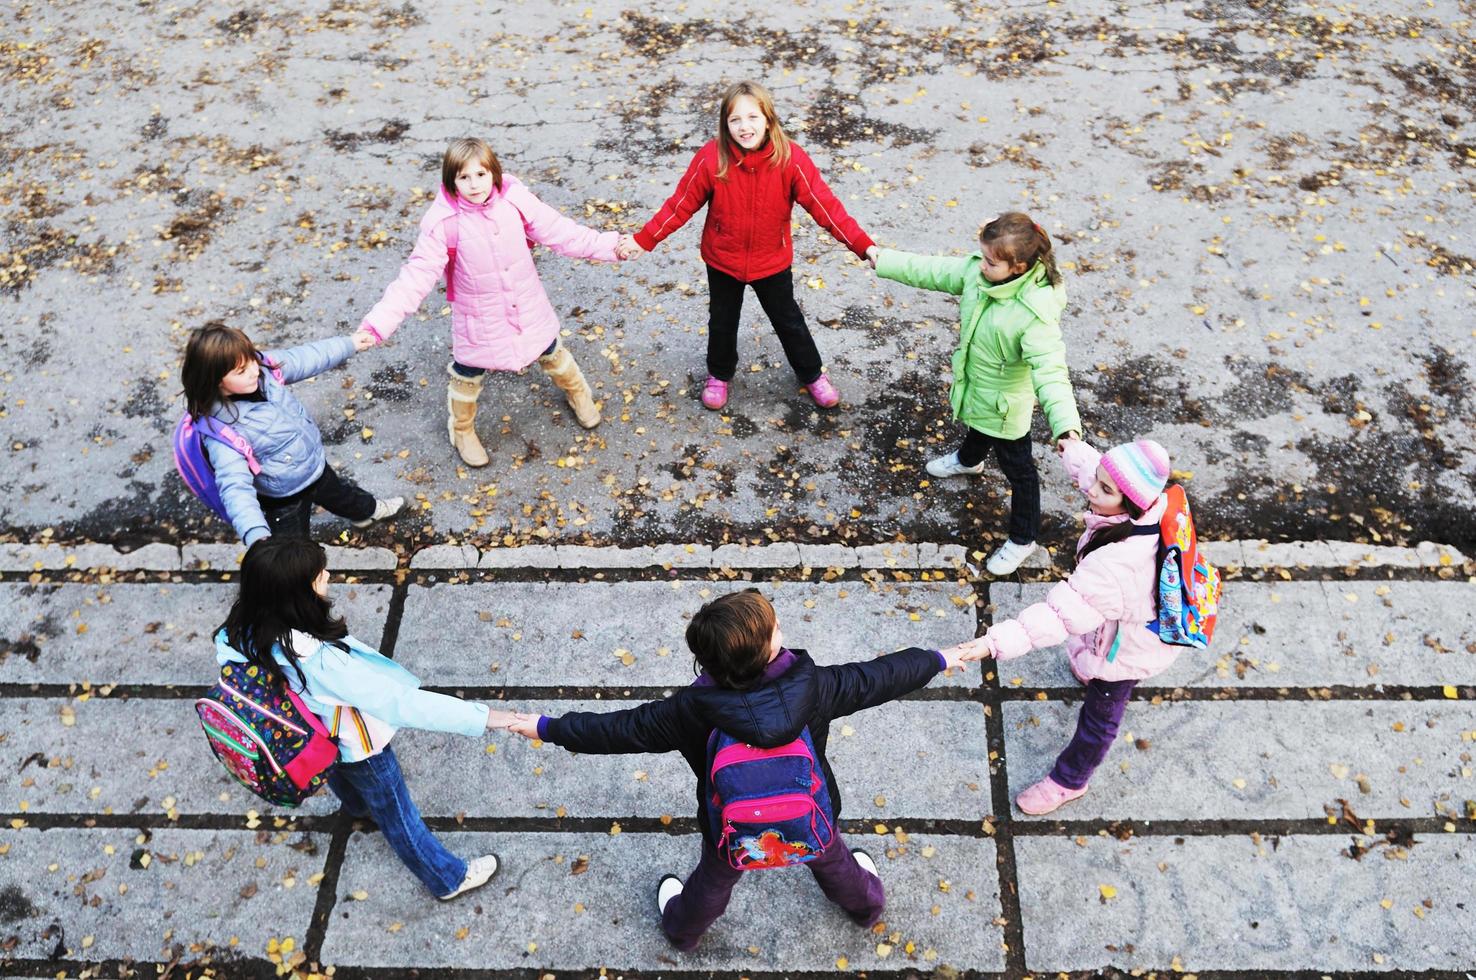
point(770, 808)
point(192, 461)
point(265, 736)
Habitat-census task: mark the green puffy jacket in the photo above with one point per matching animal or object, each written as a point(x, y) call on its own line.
point(1010, 350)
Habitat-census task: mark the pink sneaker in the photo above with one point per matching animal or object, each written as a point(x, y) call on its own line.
point(823, 392)
point(1045, 796)
point(714, 394)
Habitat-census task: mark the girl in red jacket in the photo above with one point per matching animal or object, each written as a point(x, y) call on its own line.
point(752, 175)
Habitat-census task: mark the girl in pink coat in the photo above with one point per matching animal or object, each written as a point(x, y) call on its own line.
point(1103, 610)
point(478, 234)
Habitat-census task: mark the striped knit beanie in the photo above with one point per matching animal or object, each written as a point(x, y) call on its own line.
point(1140, 470)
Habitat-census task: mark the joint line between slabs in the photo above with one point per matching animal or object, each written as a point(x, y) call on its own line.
point(1006, 865)
point(327, 898)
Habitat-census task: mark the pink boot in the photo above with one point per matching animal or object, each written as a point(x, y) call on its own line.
point(823, 392)
point(1045, 796)
point(714, 394)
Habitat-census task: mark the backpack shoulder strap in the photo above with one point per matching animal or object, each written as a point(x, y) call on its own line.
point(212, 428)
point(1143, 530)
point(452, 228)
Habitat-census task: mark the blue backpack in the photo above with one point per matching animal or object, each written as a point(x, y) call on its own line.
point(770, 808)
point(192, 461)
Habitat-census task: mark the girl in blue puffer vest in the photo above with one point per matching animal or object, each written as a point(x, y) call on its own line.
point(223, 378)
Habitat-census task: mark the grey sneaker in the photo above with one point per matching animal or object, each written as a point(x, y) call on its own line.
point(950, 466)
point(388, 507)
point(479, 871)
point(1009, 557)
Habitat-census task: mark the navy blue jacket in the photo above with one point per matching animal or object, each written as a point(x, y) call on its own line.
point(768, 715)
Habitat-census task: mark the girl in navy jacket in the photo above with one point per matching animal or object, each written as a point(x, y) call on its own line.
point(758, 692)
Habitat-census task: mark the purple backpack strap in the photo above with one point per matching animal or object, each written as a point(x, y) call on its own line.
point(453, 236)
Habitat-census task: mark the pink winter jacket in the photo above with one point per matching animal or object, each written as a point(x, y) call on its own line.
point(501, 318)
point(1103, 610)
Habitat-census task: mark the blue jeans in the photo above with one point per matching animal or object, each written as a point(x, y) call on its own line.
point(374, 787)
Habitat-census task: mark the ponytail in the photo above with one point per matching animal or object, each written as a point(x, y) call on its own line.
point(1016, 238)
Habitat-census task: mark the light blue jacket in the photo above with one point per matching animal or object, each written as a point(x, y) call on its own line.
point(382, 690)
point(281, 433)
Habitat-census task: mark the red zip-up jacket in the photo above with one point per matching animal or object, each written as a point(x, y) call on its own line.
point(747, 230)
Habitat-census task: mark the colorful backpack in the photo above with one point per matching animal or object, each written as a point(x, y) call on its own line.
point(193, 462)
point(770, 808)
point(265, 736)
point(1188, 596)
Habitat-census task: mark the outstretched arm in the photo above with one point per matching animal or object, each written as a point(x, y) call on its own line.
point(546, 226)
point(692, 191)
point(815, 196)
point(944, 273)
point(313, 358)
point(849, 688)
point(650, 727)
point(418, 276)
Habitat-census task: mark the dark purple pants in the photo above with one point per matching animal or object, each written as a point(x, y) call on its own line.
point(706, 893)
point(1096, 728)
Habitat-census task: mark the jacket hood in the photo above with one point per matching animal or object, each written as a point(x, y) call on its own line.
point(768, 715)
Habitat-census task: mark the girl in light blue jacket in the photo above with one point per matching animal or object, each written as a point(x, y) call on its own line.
point(223, 377)
point(282, 621)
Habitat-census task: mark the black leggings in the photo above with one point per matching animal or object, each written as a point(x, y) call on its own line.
point(776, 295)
point(289, 515)
point(1019, 468)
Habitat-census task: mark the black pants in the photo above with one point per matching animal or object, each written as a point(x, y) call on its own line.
point(776, 295)
point(289, 515)
point(1019, 468)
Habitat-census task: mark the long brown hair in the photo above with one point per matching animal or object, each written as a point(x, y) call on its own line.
point(728, 149)
point(464, 151)
point(1113, 533)
point(213, 351)
point(1016, 238)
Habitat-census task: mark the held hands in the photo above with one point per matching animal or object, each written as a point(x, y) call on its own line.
point(1067, 437)
point(871, 253)
point(363, 339)
point(964, 653)
point(628, 248)
point(517, 722)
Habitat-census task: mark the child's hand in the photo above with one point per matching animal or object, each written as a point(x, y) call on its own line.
point(525, 725)
point(628, 248)
point(871, 253)
point(363, 339)
point(500, 719)
point(964, 653)
point(1061, 442)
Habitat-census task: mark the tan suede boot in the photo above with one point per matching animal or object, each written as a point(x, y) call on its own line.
point(566, 374)
point(461, 408)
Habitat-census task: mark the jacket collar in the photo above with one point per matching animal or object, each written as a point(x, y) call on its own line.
point(752, 159)
point(1013, 287)
point(768, 715)
point(1152, 515)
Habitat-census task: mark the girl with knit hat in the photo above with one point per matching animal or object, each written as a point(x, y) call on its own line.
point(1103, 610)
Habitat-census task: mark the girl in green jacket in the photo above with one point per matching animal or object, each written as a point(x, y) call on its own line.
point(1010, 354)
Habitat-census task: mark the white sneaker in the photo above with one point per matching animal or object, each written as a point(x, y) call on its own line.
point(867, 864)
point(388, 507)
point(669, 888)
point(1009, 557)
point(479, 871)
point(950, 466)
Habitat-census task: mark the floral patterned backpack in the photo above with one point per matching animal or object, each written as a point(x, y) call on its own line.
point(265, 736)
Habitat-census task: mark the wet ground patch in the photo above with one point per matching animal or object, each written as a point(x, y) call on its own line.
point(835, 120)
point(391, 132)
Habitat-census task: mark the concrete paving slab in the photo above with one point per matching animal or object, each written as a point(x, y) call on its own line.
point(895, 555)
point(537, 914)
point(875, 755)
point(27, 557)
point(136, 633)
point(1301, 634)
point(114, 894)
point(110, 755)
point(360, 559)
point(1232, 903)
point(1252, 759)
point(446, 556)
point(785, 555)
point(212, 557)
point(538, 634)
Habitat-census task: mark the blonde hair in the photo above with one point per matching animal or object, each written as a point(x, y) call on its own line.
point(728, 149)
point(1016, 238)
point(464, 151)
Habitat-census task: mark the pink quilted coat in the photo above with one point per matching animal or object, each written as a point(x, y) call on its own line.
point(501, 318)
point(1102, 611)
